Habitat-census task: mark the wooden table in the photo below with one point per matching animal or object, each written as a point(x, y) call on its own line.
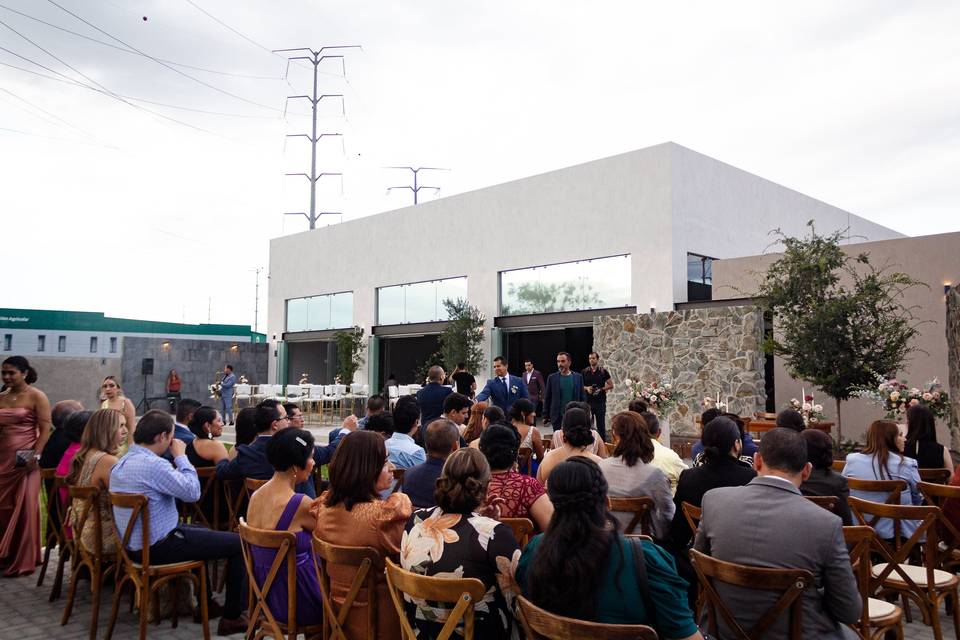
point(759, 426)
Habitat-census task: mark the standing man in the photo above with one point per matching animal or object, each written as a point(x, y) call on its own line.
point(562, 387)
point(503, 389)
point(596, 383)
point(463, 381)
point(535, 385)
point(430, 398)
point(227, 384)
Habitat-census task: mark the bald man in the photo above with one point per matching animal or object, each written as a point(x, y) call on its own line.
point(441, 439)
point(431, 397)
point(58, 443)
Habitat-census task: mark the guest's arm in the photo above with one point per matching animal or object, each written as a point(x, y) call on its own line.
point(541, 511)
point(484, 393)
point(180, 481)
point(44, 423)
point(230, 469)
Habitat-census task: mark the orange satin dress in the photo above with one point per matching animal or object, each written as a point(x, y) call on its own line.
point(378, 524)
point(19, 494)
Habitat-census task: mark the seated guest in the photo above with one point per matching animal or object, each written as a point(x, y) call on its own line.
point(456, 409)
point(823, 480)
point(882, 459)
point(381, 423)
point(245, 427)
point(430, 398)
point(75, 424)
point(105, 431)
point(748, 448)
point(143, 470)
point(598, 447)
point(578, 439)
point(638, 406)
point(490, 415)
point(630, 474)
point(185, 410)
point(375, 404)
point(523, 416)
point(664, 458)
point(786, 531)
point(475, 546)
point(472, 429)
point(519, 495)
point(582, 568)
point(403, 451)
point(53, 451)
point(420, 482)
point(921, 444)
point(205, 425)
point(351, 513)
point(277, 506)
point(791, 419)
point(294, 415)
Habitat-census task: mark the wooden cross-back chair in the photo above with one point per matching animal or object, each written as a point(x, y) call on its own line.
point(462, 593)
point(84, 510)
point(641, 507)
point(539, 624)
point(936, 476)
point(789, 583)
point(398, 480)
point(838, 465)
point(365, 560)
point(925, 585)
point(525, 460)
point(827, 502)
point(949, 535)
point(610, 448)
point(146, 578)
point(56, 534)
point(879, 615)
point(893, 489)
point(692, 514)
point(209, 490)
point(522, 529)
point(262, 621)
point(238, 496)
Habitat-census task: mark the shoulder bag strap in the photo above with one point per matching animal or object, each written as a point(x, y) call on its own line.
point(640, 568)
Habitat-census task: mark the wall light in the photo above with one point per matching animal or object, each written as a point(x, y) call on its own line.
point(166, 345)
point(234, 348)
point(653, 307)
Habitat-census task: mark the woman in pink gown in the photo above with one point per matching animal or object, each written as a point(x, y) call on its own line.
point(24, 427)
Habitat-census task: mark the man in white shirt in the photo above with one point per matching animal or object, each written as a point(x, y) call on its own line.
point(664, 458)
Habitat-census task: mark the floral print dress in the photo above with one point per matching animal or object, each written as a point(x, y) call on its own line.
point(453, 545)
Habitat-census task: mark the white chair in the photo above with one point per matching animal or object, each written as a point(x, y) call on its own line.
point(413, 388)
point(294, 394)
point(403, 389)
point(241, 393)
point(256, 392)
point(330, 399)
point(393, 392)
point(315, 397)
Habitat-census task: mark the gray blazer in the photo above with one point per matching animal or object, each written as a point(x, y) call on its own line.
point(768, 523)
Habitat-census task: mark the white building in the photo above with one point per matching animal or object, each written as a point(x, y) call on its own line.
point(643, 226)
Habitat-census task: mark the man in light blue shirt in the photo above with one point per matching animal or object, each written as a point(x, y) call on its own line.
point(144, 471)
point(402, 450)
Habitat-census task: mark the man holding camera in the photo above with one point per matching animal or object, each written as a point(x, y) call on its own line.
point(596, 383)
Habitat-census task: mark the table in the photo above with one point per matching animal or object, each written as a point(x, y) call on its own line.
point(759, 426)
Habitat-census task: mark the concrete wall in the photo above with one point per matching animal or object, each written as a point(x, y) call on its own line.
point(73, 378)
point(197, 362)
point(933, 260)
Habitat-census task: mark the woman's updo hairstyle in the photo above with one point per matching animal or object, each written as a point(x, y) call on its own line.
point(719, 436)
point(202, 416)
point(520, 409)
point(20, 364)
point(576, 428)
point(499, 444)
point(290, 447)
point(462, 484)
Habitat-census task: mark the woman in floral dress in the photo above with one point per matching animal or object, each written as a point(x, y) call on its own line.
point(453, 540)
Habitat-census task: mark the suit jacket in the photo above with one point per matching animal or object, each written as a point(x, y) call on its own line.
point(500, 396)
point(827, 482)
point(536, 387)
point(227, 384)
point(430, 398)
point(768, 523)
point(551, 397)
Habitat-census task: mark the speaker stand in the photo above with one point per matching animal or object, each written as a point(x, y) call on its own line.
point(143, 401)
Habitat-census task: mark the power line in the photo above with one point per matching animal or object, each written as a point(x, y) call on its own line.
point(229, 28)
point(161, 63)
point(50, 114)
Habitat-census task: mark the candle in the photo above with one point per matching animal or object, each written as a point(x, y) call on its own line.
point(803, 396)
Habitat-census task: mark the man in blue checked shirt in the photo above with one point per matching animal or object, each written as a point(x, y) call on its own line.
point(144, 471)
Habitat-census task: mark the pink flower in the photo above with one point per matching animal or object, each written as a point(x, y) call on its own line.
point(927, 397)
point(914, 402)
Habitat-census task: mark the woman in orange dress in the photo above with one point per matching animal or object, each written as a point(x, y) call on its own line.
point(24, 429)
point(351, 513)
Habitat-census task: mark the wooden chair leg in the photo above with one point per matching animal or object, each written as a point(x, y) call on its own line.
point(46, 561)
point(145, 601)
point(204, 613)
point(68, 609)
point(115, 609)
point(96, 584)
point(174, 601)
point(65, 552)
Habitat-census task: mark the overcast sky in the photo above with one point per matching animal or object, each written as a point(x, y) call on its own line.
point(109, 205)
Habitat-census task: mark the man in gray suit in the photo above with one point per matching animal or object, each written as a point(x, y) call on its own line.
point(768, 523)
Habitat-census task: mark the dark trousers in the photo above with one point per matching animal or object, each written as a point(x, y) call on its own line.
point(190, 542)
point(599, 410)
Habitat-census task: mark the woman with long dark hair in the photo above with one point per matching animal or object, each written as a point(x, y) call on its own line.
point(581, 567)
point(578, 439)
point(922, 443)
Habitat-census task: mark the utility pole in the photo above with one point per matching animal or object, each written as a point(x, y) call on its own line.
point(314, 58)
point(416, 186)
point(256, 300)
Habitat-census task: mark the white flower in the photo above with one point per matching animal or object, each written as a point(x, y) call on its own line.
point(914, 391)
point(895, 396)
point(806, 406)
point(668, 386)
point(653, 398)
point(628, 382)
point(927, 397)
point(818, 408)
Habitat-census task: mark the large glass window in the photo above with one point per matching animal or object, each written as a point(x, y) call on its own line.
point(316, 313)
point(570, 286)
point(418, 302)
point(699, 277)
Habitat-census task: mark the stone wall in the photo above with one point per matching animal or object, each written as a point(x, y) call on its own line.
point(701, 352)
point(953, 363)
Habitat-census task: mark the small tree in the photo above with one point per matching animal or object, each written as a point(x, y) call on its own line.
point(350, 344)
point(839, 320)
point(462, 338)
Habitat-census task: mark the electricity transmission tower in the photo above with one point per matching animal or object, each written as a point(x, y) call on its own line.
point(315, 58)
point(416, 186)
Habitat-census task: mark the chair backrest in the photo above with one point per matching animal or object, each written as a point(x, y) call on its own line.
point(316, 392)
point(827, 502)
point(610, 448)
point(413, 388)
point(252, 484)
point(85, 508)
point(393, 391)
point(522, 529)
point(366, 560)
point(356, 388)
point(540, 624)
point(328, 390)
point(463, 593)
point(949, 534)
point(340, 389)
point(285, 545)
point(860, 541)
point(293, 390)
point(403, 389)
point(398, 480)
point(209, 486)
point(242, 389)
point(893, 489)
point(525, 460)
point(838, 465)
point(692, 514)
point(642, 509)
point(791, 583)
point(53, 533)
point(936, 476)
point(140, 510)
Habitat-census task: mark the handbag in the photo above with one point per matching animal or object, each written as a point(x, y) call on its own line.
point(23, 456)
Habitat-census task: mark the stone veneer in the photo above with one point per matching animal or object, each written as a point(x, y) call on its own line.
point(953, 363)
point(701, 352)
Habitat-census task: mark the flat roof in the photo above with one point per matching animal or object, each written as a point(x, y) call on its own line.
point(56, 320)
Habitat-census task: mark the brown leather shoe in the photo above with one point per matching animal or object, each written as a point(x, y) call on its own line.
point(228, 627)
point(214, 611)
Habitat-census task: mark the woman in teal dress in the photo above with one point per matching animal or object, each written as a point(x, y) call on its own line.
point(558, 570)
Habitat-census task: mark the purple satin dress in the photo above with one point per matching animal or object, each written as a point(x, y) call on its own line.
point(309, 602)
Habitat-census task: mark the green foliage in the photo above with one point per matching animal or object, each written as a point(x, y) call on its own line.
point(839, 319)
point(540, 297)
point(350, 345)
point(462, 338)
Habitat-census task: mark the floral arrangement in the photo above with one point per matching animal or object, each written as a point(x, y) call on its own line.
point(810, 411)
point(304, 379)
point(243, 379)
point(660, 395)
point(214, 390)
point(895, 396)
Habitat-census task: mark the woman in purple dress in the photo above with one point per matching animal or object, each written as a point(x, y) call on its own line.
point(276, 506)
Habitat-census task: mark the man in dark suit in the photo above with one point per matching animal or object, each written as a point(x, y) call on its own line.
point(430, 398)
point(768, 523)
point(503, 389)
point(535, 385)
point(251, 461)
point(562, 387)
